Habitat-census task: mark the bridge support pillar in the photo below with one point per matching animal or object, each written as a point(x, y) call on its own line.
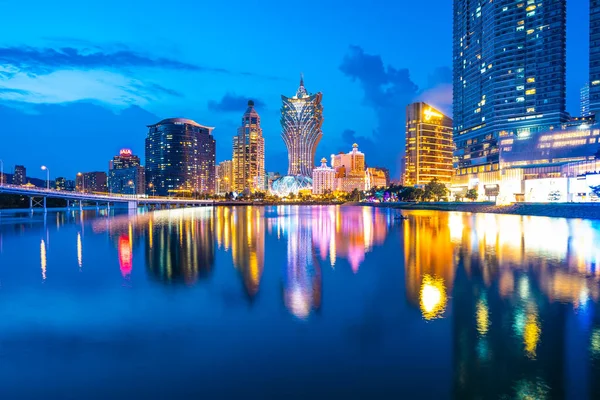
point(31, 203)
point(45, 210)
point(68, 204)
point(132, 205)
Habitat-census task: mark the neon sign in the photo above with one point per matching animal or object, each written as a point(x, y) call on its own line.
point(125, 152)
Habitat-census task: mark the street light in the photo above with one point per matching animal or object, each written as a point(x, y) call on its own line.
point(82, 181)
point(44, 168)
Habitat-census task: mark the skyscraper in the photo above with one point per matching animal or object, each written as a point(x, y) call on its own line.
point(249, 153)
point(323, 178)
point(20, 176)
point(125, 159)
point(180, 157)
point(350, 170)
point(584, 100)
point(224, 174)
point(301, 121)
point(126, 175)
point(429, 145)
point(594, 56)
point(509, 74)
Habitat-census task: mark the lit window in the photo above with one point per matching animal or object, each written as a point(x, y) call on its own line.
point(520, 99)
point(530, 80)
point(530, 91)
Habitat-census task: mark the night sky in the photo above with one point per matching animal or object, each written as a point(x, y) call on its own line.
point(79, 80)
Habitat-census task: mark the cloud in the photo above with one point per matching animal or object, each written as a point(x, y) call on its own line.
point(439, 91)
point(231, 102)
point(387, 90)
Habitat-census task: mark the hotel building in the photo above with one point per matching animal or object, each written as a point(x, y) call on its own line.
point(323, 178)
point(429, 145)
point(349, 170)
point(249, 153)
point(224, 174)
point(180, 157)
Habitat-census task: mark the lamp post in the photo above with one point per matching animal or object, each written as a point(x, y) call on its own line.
point(44, 168)
point(82, 181)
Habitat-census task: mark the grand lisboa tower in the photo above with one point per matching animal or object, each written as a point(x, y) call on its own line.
point(301, 121)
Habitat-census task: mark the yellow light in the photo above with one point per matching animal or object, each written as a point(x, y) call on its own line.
point(482, 317)
point(429, 113)
point(531, 334)
point(433, 297)
point(43, 258)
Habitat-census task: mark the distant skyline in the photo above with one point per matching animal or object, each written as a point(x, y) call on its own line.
point(79, 81)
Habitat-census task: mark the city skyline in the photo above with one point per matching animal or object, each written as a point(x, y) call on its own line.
point(354, 78)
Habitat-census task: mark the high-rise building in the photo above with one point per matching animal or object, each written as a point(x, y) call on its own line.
point(301, 121)
point(429, 145)
point(249, 153)
point(509, 75)
point(376, 178)
point(349, 170)
point(92, 182)
point(323, 178)
point(20, 176)
point(180, 157)
point(125, 159)
point(224, 174)
point(584, 100)
point(594, 56)
point(130, 180)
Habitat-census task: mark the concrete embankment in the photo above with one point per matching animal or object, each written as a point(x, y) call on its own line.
point(557, 210)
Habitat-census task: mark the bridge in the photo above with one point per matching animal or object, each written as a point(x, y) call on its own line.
point(38, 196)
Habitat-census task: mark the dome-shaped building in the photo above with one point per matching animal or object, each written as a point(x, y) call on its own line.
point(290, 184)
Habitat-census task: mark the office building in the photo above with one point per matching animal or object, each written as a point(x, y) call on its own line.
point(131, 180)
point(249, 153)
point(584, 100)
point(323, 179)
point(125, 159)
point(301, 121)
point(224, 174)
point(92, 182)
point(509, 75)
point(20, 175)
point(594, 56)
point(180, 158)
point(429, 146)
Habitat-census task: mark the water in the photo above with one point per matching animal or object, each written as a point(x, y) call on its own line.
point(299, 302)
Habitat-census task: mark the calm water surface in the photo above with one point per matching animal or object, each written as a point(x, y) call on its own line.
point(299, 302)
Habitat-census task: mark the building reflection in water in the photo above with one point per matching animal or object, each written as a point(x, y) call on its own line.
point(514, 281)
point(43, 258)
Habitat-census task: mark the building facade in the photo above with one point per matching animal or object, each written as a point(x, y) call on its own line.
point(224, 176)
point(92, 182)
point(429, 146)
point(20, 175)
point(594, 56)
point(60, 183)
point(180, 158)
point(125, 159)
point(584, 100)
point(323, 179)
point(376, 178)
point(509, 75)
point(301, 121)
point(249, 153)
point(350, 170)
point(131, 180)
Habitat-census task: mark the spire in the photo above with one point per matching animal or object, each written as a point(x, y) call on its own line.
point(301, 79)
point(301, 89)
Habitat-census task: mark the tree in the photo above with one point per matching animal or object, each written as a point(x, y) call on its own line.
point(458, 196)
point(472, 194)
point(435, 190)
point(355, 195)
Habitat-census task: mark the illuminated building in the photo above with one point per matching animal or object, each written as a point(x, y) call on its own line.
point(224, 174)
point(60, 183)
point(270, 178)
point(180, 157)
point(386, 173)
point(349, 170)
point(92, 182)
point(323, 179)
point(301, 121)
point(286, 185)
point(594, 56)
point(249, 153)
point(125, 159)
point(429, 145)
point(20, 176)
point(130, 180)
point(584, 100)
point(509, 75)
point(376, 178)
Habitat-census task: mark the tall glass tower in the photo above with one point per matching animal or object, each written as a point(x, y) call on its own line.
point(301, 121)
point(594, 56)
point(180, 158)
point(509, 73)
point(249, 153)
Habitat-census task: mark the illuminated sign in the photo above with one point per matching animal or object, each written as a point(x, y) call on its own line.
point(429, 113)
point(125, 152)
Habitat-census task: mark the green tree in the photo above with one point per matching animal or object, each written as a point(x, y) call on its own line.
point(458, 197)
point(472, 194)
point(435, 190)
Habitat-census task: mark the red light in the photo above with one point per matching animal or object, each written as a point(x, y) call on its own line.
point(125, 256)
point(125, 152)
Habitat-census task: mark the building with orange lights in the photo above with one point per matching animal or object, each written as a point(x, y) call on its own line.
point(429, 145)
point(349, 170)
point(323, 178)
point(249, 153)
point(224, 175)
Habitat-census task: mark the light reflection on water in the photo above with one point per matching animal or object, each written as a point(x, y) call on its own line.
point(488, 306)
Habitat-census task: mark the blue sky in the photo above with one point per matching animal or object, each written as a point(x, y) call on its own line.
point(80, 80)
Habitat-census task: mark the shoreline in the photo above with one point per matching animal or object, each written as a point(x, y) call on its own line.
point(553, 210)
